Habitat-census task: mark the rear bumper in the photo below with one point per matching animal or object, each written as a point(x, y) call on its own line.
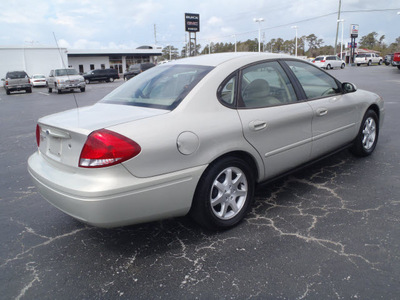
point(19, 87)
point(113, 197)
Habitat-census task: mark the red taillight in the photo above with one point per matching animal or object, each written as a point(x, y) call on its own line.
point(104, 148)
point(6, 82)
point(322, 60)
point(38, 135)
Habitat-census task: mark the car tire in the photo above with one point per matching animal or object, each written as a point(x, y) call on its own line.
point(369, 63)
point(367, 137)
point(380, 62)
point(358, 65)
point(398, 67)
point(29, 90)
point(224, 194)
point(87, 81)
point(111, 79)
point(8, 92)
point(58, 91)
point(83, 90)
point(342, 66)
point(328, 67)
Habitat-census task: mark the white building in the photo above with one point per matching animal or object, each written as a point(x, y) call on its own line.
point(40, 59)
point(120, 59)
point(33, 60)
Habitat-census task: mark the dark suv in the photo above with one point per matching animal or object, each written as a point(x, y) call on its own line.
point(108, 75)
point(17, 81)
point(137, 69)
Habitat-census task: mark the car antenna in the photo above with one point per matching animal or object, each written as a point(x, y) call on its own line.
point(63, 63)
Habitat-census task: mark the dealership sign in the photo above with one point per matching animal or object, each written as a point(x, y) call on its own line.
point(354, 30)
point(192, 22)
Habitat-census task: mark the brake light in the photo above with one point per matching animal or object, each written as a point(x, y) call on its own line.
point(6, 82)
point(323, 60)
point(104, 148)
point(38, 129)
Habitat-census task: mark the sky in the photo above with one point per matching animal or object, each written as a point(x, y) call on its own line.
point(128, 24)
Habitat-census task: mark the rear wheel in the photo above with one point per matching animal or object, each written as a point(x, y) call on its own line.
point(367, 137)
point(111, 79)
point(29, 90)
point(8, 92)
point(224, 194)
point(87, 81)
point(342, 66)
point(328, 67)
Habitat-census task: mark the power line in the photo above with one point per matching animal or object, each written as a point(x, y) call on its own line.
point(298, 22)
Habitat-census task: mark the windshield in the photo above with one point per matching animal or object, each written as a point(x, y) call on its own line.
point(63, 72)
point(162, 87)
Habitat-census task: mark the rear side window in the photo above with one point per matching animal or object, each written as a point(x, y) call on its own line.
point(315, 82)
point(265, 85)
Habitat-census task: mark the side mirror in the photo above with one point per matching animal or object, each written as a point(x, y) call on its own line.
point(348, 87)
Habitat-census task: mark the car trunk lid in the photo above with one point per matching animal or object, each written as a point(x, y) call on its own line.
point(63, 135)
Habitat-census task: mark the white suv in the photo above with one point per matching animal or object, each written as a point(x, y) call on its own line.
point(65, 80)
point(329, 62)
point(368, 58)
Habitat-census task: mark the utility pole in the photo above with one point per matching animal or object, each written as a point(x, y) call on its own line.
point(155, 34)
point(337, 26)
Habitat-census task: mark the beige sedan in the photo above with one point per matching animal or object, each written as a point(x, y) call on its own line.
point(195, 136)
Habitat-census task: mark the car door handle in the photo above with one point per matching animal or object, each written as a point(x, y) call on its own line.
point(257, 125)
point(322, 112)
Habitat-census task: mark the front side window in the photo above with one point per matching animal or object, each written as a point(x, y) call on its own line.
point(162, 87)
point(264, 85)
point(315, 82)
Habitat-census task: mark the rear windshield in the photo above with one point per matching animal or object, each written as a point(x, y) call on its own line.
point(319, 58)
point(360, 55)
point(162, 87)
point(63, 72)
point(16, 75)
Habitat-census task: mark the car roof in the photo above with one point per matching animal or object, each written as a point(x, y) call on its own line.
point(220, 58)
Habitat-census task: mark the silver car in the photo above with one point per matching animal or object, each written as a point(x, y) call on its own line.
point(195, 136)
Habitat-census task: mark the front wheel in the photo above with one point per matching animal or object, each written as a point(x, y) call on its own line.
point(369, 63)
point(111, 79)
point(367, 137)
point(342, 66)
point(380, 62)
point(328, 67)
point(224, 194)
point(87, 81)
point(83, 90)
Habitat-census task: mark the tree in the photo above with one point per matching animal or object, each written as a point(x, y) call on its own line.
point(313, 43)
point(170, 52)
point(369, 41)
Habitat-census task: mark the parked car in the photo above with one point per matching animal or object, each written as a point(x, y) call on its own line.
point(65, 80)
point(17, 81)
point(108, 75)
point(329, 62)
point(388, 59)
point(136, 69)
point(368, 59)
point(396, 60)
point(195, 136)
point(38, 80)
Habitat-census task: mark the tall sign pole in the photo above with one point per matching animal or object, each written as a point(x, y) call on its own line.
point(192, 25)
point(353, 36)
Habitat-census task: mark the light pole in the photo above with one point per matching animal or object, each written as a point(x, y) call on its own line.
point(295, 27)
point(235, 41)
point(272, 44)
point(341, 46)
point(259, 20)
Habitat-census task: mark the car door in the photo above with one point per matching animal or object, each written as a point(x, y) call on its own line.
point(274, 122)
point(334, 115)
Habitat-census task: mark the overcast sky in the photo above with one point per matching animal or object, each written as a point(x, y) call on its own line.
point(118, 24)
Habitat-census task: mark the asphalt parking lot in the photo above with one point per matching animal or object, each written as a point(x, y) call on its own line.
point(331, 231)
